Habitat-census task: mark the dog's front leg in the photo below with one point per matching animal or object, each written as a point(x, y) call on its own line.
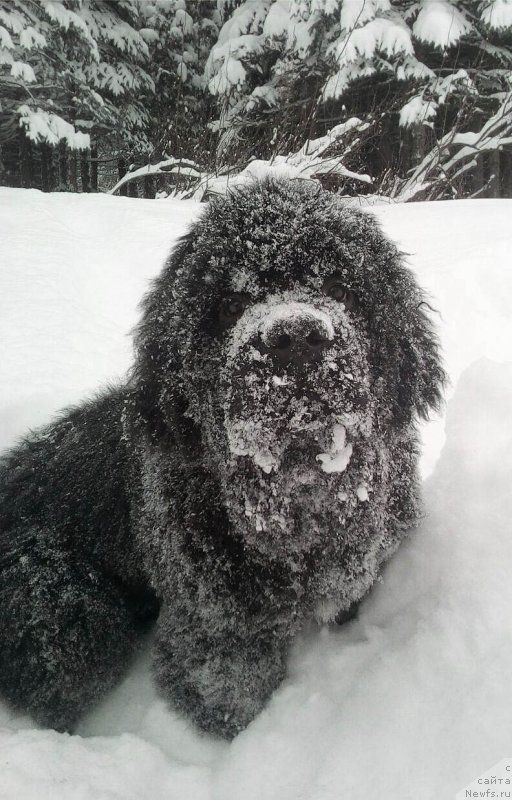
point(217, 668)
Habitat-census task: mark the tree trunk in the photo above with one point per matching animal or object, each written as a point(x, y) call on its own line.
point(506, 173)
point(73, 171)
point(491, 161)
point(121, 170)
point(45, 176)
point(28, 178)
point(132, 189)
point(84, 171)
point(10, 162)
point(149, 187)
point(94, 169)
point(52, 172)
point(63, 167)
point(476, 178)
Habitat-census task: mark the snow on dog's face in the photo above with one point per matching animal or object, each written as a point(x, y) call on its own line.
point(296, 376)
point(280, 344)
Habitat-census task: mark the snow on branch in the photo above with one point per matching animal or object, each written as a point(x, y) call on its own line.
point(43, 126)
point(312, 162)
point(175, 167)
point(497, 14)
point(442, 165)
point(440, 23)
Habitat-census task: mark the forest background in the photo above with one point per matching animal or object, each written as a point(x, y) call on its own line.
point(408, 100)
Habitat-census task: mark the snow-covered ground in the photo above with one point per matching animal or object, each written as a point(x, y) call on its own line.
point(412, 700)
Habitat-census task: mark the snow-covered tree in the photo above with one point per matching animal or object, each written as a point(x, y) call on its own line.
point(72, 70)
point(182, 33)
point(287, 70)
point(394, 86)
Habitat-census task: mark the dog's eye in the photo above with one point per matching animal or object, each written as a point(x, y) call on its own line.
point(233, 307)
point(335, 288)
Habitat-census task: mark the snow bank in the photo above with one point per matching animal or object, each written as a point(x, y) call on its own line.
point(409, 701)
point(72, 270)
point(50, 766)
point(413, 699)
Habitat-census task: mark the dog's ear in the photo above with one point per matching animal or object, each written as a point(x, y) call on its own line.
point(405, 354)
point(161, 402)
point(420, 376)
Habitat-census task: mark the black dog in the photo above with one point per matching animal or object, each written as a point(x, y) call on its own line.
point(254, 473)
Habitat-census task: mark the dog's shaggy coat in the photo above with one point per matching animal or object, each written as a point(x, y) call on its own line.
point(254, 473)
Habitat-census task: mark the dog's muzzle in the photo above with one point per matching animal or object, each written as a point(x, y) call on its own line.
point(294, 388)
point(295, 334)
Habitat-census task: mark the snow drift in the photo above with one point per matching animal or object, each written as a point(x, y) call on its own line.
point(409, 701)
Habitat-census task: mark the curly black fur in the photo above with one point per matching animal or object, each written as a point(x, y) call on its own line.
point(254, 473)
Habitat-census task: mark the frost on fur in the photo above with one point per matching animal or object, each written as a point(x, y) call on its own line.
point(254, 474)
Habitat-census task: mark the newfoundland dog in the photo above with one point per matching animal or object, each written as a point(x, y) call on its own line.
point(254, 472)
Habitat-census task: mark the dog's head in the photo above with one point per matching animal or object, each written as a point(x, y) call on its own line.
point(284, 315)
point(283, 355)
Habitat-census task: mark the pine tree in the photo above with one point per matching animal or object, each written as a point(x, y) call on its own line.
point(183, 32)
point(71, 71)
point(414, 72)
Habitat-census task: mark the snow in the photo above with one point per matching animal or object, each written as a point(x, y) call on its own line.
point(263, 94)
point(362, 493)
point(44, 126)
point(336, 84)
point(385, 35)
point(284, 311)
point(410, 67)
point(277, 20)
point(5, 38)
point(231, 73)
point(184, 21)
point(247, 18)
point(301, 34)
point(418, 110)
point(320, 145)
point(413, 697)
point(341, 452)
point(30, 37)
point(498, 14)
point(63, 16)
point(74, 295)
point(309, 161)
point(239, 37)
point(359, 12)
point(24, 71)
point(6, 56)
point(11, 19)
point(440, 23)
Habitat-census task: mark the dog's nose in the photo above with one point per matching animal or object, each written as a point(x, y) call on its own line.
point(297, 338)
point(298, 349)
